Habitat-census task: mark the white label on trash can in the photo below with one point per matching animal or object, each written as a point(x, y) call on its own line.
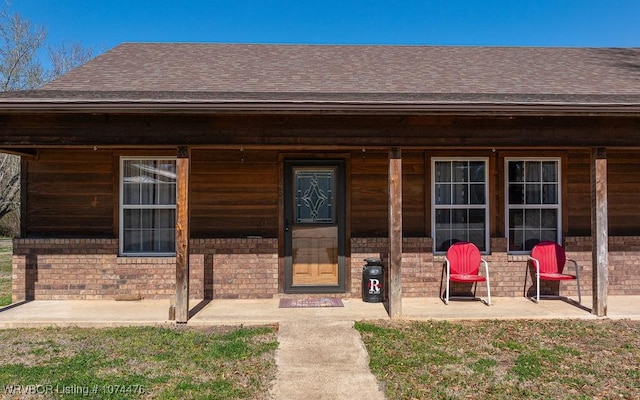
point(374, 286)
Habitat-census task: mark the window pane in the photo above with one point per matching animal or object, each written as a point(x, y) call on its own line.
point(148, 193)
point(533, 194)
point(516, 171)
point(459, 219)
point(146, 219)
point(167, 194)
point(443, 194)
point(549, 219)
point(550, 171)
point(443, 219)
point(443, 171)
point(550, 194)
point(549, 234)
point(165, 219)
point(532, 219)
point(459, 235)
point(146, 244)
point(131, 219)
point(460, 194)
point(533, 171)
point(460, 171)
point(516, 194)
point(476, 194)
point(476, 218)
point(131, 193)
point(516, 240)
point(166, 241)
point(476, 171)
point(314, 202)
point(131, 240)
point(516, 218)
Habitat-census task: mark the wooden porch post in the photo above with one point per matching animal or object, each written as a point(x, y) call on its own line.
point(182, 235)
point(394, 263)
point(599, 233)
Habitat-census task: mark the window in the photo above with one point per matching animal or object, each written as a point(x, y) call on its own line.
point(533, 202)
point(147, 206)
point(460, 204)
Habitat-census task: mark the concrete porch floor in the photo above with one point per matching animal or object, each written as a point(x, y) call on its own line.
point(103, 313)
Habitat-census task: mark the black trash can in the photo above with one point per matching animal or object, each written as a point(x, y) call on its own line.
point(373, 281)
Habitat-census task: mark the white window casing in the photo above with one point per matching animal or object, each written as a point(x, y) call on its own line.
point(460, 202)
point(147, 206)
point(532, 202)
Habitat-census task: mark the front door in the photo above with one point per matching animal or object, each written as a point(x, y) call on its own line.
point(314, 226)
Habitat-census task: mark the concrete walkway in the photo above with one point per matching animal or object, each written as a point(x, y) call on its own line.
point(321, 355)
point(326, 360)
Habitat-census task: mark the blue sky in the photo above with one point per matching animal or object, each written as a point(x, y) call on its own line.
point(102, 24)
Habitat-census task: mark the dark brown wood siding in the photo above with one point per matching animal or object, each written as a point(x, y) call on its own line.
point(369, 193)
point(577, 199)
point(74, 192)
point(234, 193)
point(623, 192)
point(71, 194)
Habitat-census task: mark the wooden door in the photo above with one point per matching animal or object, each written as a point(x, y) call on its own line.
point(314, 227)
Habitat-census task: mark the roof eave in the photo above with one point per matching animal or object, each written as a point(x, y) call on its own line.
point(344, 107)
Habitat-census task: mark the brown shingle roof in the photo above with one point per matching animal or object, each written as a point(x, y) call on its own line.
point(228, 73)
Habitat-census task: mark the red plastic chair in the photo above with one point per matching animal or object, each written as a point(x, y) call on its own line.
point(549, 260)
point(463, 261)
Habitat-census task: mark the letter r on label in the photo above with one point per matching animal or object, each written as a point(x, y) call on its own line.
point(374, 285)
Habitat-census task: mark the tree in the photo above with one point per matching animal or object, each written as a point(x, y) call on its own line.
point(20, 42)
point(21, 69)
point(67, 56)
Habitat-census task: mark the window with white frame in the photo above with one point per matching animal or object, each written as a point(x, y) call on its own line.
point(460, 203)
point(533, 202)
point(147, 206)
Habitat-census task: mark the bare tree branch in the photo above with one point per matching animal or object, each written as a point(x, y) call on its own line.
point(19, 43)
point(9, 184)
point(21, 69)
point(66, 57)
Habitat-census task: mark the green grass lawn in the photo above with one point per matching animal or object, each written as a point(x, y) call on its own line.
point(5, 271)
point(139, 362)
point(506, 359)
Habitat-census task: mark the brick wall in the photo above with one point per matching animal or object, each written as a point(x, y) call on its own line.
point(248, 268)
point(422, 272)
point(65, 269)
point(239, 268)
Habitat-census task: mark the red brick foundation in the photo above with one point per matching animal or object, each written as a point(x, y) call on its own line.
point(66, 269)
point(248, 268)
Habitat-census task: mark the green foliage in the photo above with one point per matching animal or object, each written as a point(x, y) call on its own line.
point(6, 249)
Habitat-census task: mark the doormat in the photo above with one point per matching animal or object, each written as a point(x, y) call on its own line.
point(311, 302)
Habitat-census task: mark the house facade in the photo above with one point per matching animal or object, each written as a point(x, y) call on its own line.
point(211, 171)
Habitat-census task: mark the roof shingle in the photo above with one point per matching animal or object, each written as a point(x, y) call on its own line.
point(228, 72)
